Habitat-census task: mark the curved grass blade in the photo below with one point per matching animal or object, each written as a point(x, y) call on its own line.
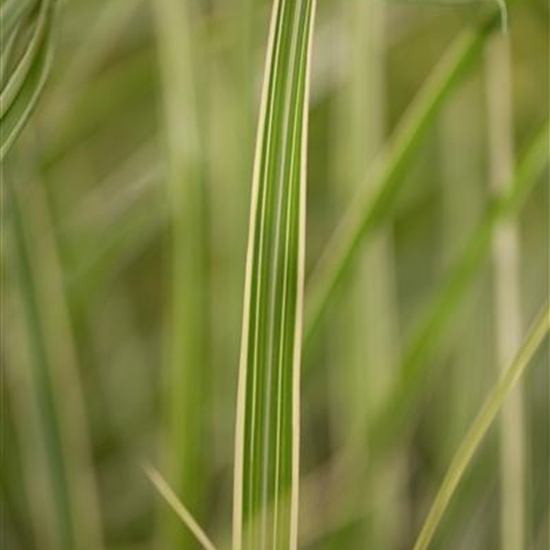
point(416, 363)
point(369, 210)
point(184, 395)
point(19, 74)
point(267, 427)
point(481, 425)
point(8, 45)
point(23, 87)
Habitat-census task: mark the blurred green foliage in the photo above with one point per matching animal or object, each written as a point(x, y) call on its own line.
point(87, 258)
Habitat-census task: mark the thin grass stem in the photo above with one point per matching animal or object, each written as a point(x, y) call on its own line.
point(481, 425)
point(507, 315)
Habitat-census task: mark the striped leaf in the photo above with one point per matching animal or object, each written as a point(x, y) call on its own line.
point(267, 431)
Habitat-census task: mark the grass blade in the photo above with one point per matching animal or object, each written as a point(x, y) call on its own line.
point(11, 13)
point(184, 392)
point(267, 429)
point(364, 347)
point(416, 362)
point(463, 205)
point(396, 414)
point(21, 70)
point(364, 342)
point(507, 314)
point(61, 438)
point(368, 211)
point(481, 425)
point(23, 87)
point(179, 509)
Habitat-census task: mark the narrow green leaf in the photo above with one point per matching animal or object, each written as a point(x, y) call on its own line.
point(178, 507)
point(184, 393)
point(57, 446)
point(267, 430)
point(481, 425)
point(369, 210)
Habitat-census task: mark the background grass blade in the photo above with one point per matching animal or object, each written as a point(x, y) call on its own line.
point(416, 363)
point(368, 210)
point(507, 299)
point(397, 413)
point(177, 506)
point(55, 439)
point(463, 206)
point(363, 350)
point(21, 69)
point(481, 425)
point(11, 13)
point(267, 430)
point(184, 385)
point(22, 88)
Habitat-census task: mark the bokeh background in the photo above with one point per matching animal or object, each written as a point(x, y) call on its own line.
point(86, 292)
